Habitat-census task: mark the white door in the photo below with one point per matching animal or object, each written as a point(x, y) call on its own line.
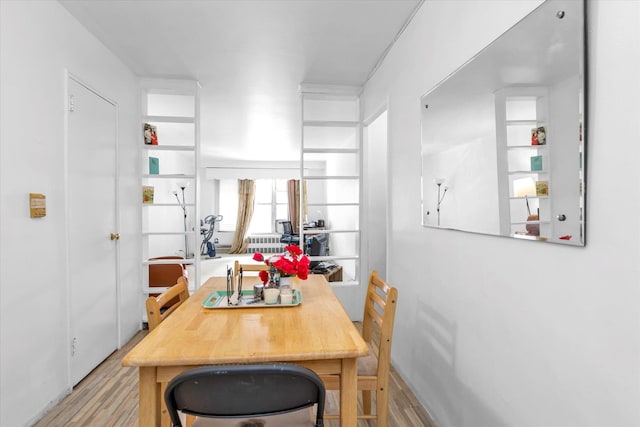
point(91, 221)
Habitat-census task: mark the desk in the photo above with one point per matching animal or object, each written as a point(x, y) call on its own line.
point(332, 274)
point(317, 334)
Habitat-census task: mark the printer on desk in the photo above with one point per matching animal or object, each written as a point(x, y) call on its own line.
point(317, 245)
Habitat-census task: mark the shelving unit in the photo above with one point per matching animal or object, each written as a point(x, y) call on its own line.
point(172, 106)
point(518, 111)
point(331, 137)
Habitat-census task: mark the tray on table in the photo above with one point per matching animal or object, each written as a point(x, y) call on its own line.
point(219, 299)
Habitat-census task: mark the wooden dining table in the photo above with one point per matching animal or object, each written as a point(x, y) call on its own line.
point(316, 333)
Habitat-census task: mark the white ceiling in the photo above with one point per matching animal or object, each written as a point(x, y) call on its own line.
point(250, 56)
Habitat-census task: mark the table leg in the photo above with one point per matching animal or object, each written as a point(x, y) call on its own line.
point(149, 398)
point(349, 393)
point(165, 420)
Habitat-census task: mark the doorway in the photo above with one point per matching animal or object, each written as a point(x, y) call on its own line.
point(91, 227)
point(376, 177)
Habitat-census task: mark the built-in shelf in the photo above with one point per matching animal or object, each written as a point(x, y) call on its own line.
point(532, 123)
point(169, 119)
point(168, 176)
point(338, 144)
point(172, 106)
point(314, 231)
point(527, 197)
point(175, 205)
point(169, 147)
point(327, 177)
point(168, 261)
point(525, 172)
point(527, 147)
point(336, 257)
point(333, 123)
point(519, 110)
point(332, 150)
point(167, 233)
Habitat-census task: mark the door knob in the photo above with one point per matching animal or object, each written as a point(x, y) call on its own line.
point(114, 236)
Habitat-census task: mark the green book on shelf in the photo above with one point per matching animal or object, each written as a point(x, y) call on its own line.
point(536, 163)
point(154, 166)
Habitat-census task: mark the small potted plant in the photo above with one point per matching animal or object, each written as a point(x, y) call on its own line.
point(292, 263)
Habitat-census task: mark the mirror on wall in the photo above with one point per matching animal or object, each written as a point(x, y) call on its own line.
point(503, 141)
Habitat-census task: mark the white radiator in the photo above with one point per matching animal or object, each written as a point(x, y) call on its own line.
point(265, 243)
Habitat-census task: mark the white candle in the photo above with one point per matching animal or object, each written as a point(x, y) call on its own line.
point(271, 295)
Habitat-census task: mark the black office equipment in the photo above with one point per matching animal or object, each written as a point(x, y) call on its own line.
point(288, 237)
point(317, 245)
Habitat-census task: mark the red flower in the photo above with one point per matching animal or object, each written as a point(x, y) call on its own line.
point(291, 263)
point(264, 276)
point(303, 271)
point(304, 260)
point(294, 250)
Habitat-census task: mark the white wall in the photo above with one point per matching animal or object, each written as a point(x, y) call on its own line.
point(39, 39)
point(375, 196)
point(492, 331)
point(471, 200)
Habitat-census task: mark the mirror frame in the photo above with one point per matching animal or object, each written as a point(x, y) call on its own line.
point(557, 219)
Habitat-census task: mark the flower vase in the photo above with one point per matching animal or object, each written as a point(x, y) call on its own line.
point(291, 281)
point(286, 281)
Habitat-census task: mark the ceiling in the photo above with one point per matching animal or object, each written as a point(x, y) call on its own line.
point(250, 56)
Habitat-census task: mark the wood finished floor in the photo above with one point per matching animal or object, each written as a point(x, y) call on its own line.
point(108, 397)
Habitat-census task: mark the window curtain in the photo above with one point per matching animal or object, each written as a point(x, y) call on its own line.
point(246, 197)
point(293, 199)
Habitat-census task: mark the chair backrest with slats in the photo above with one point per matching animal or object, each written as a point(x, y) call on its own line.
point(380, 309)
point(246, 268)
point(159, 307)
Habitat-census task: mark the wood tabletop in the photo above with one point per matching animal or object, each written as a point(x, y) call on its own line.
point(317, 329)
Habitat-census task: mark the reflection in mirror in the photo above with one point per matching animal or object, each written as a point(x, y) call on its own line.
point(502, 137)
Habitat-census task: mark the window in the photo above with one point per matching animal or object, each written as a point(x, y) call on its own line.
point(228, 204)
point(270, 205)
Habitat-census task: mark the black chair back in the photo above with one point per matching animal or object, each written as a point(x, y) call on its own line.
point(287, 227)
point(240, 391)
point(287, 234)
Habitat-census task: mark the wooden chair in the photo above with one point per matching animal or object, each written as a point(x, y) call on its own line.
point(165, 275)
point(158, 308)
point(263, 394)
point(246, 268)
point(373, 370)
